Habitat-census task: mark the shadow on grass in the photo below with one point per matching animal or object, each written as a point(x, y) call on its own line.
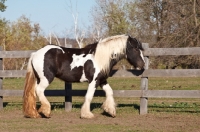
point(151, 108)
point(176, 107)
point(92, 106)
point(5, 104)
point(169, 109)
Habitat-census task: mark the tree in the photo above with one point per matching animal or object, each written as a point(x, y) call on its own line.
point(3, 29)
point(20, 35)
point(113, 16)
point(172, 24)
point(2, 5)
point(24, 35)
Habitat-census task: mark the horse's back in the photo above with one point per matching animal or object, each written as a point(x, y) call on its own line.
point(64, 63)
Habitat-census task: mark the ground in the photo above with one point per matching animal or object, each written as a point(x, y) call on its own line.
point(127, 120)
point(164, 115)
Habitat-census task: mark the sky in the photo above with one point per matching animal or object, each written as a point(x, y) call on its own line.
point(52, 15)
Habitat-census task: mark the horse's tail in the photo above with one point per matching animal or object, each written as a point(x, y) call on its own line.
point(29, 97)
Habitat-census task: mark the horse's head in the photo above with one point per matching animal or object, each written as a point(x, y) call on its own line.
point(134, 53)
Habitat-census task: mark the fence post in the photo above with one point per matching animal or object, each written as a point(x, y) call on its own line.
point(144, 85)
point(68, 96)
point(1, 81)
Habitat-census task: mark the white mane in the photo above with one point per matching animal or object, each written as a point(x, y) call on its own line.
point(106, 48)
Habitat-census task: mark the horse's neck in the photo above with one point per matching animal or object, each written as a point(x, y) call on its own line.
point(113, 62)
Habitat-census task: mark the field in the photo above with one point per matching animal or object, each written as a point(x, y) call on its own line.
point(164, 114)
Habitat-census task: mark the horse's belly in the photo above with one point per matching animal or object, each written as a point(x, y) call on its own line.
point(75, 75)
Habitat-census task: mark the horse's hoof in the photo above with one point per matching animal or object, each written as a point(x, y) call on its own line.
point(47, 116)
point(42, 115)
point(33, 115)
point(87, 116)
point(110, 110)
point(111, 113)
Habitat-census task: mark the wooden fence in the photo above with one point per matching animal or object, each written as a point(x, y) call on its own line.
point(143, 93)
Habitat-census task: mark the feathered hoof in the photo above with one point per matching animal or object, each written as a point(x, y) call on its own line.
point(111, 110)
point(112, 113)
point(42, 115)
point(33, 115)
point(44, 112)
point(87, 115)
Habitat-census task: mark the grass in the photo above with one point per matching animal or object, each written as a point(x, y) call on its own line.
point(118, 83)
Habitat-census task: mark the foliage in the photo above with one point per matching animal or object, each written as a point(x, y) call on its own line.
point(3, 27)
point(2, 5)
point(20, 35)
point(23, 35)
point(171, 24)
point(174, 23)
point(113, 16)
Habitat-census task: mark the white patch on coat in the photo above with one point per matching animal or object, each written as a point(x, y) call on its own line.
point(83, 77)
point(141, 54)
point(79, 60)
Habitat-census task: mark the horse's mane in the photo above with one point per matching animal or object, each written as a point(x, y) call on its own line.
point(106, 48)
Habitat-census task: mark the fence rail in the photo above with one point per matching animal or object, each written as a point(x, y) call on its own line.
point(126, 73)
point(147, 52)
point(143, 93)
point(117, 93)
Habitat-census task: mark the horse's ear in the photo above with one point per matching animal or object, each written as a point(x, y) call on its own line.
point(138, 45)
point(129, 40)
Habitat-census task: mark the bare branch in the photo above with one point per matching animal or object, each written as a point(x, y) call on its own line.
point(78, 34)
point(56, 39)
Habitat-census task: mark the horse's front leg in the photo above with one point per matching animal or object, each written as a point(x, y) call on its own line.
point(85, 110)
point(109, 104)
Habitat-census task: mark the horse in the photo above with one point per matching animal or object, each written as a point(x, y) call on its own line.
point(91, 63)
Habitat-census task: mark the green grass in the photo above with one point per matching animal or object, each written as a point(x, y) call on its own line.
point(117, 83)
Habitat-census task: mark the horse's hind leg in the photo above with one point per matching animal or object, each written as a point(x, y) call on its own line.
point(45, 108)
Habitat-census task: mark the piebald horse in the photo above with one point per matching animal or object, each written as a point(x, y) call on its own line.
point(92, 64)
